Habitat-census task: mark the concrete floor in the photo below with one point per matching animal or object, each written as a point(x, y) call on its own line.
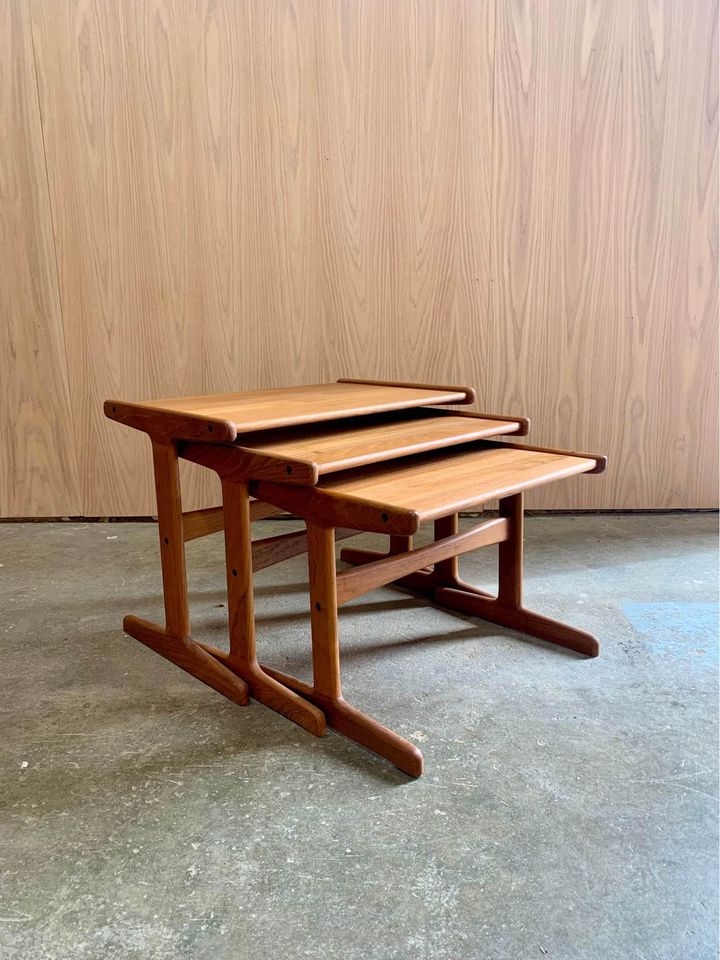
point(568, 809)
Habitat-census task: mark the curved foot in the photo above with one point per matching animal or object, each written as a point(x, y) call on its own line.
point(190, 656)
point(273, 693)
point(518, 618)
point(357, 726)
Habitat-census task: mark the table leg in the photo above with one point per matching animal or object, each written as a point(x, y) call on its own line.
point(326, 690)
point(443, 585)
point(507, 608)
point(173, 641)
point(242, 658)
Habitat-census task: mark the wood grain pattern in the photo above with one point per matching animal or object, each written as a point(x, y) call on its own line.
point(605, 255)
point(115, 97)
point(517, 196)
point(318, 402)
point(350, 443)
point(436, 485)
point(366, 577)
point(395, 497)
point(38, 468)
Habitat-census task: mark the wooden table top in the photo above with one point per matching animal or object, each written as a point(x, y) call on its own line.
point(398, 495)
point(221, 417)
point(344, 444)
point(302, 454)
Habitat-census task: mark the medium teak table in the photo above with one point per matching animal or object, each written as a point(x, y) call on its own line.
point(345, 457)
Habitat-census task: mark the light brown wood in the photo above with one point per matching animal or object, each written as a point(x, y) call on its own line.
point(189, 656)
point(523, 423)
point(311, 503)
point(447, 570)
point(323, 610)
point(326, 690)
point(600, 459)
point(283, 407)
point(115, 101)
point(272, 550)
point(510, 553)
point(405, 105)
point(261, 511)
point(354, 583)
point(249, 195)
point(357, 726)
point(242, 658)
point(238, 463)
point(469, 392)
point(397, 496)
point(392, 496)
point(604, 241)
point(237, 673)
point(357, 441)
point(172, 541)
point(520, 619)
point(442, 584)
point(202, 523)
point(166, 425)
point(328, 590)
point(38, 466)
point(173, 641)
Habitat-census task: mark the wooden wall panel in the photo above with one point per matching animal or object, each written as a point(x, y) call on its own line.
point(254, 110)
point(518, 195)
point(605, 256)
point(406, 122)
point(114, 84)
point(38, 470)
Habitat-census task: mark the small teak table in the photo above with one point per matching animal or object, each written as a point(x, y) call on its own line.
point(345, 457)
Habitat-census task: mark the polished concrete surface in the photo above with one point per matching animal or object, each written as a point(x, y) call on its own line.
point(568, 809)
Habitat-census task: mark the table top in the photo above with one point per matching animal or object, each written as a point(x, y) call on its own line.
point(344, 444)
point(221, 417)
point(366, 454)
point(302, 454)
point(397, 496)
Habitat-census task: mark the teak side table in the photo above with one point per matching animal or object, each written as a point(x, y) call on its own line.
point(345, 457)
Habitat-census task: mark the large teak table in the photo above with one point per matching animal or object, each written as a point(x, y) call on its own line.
point(345, 457)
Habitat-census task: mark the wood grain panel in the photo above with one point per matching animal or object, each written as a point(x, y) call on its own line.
point(38, 470)
point(358, 147)
point(254, 106)
point(115, 98)
point(406, 129)
point(277, 192)
point(393, 497)
point(604, 323)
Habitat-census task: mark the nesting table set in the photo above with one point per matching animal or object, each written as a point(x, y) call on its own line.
point(345, 457)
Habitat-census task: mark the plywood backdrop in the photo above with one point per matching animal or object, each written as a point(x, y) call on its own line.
point(235, 194)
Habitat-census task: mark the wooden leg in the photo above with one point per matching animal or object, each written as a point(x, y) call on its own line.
point(446, 570)
point(242, 658)
point(189, 656)
point(172, 547)
point(507, 608)
point(326, 690)
point(173, 641)
point(443, 585)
